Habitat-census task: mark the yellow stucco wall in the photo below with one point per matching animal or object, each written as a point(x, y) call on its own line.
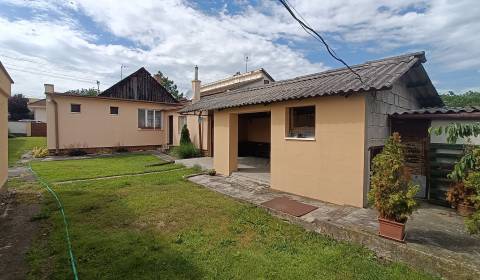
point(192, 125)
point(329, 168)
point(5, 91)
point(95, 127)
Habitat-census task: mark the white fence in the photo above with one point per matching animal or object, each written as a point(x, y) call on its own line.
point(19, 127)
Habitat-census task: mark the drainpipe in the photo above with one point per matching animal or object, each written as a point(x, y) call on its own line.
point(200, 139)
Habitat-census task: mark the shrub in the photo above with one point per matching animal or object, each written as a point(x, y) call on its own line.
point(76, 153)
point(185, 136)
point(121, 150)
point(392, 192)
point(186, 151)
point(39, 152)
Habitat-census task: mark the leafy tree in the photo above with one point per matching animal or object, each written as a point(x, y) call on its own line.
point(83, 91)
point(470, 98)
point(18, 107)
point(169, 85)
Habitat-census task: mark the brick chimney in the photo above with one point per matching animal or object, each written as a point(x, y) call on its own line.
point(49, 88)
point(196, 87)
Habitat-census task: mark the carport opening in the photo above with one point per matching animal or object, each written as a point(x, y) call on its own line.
point(254, 133)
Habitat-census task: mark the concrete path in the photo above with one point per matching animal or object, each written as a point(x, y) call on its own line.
point(436, 240)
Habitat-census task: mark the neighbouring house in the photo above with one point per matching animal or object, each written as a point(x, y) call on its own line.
point(320, 131)
point(200, 123)
point(5, 91)
point(39, 110)
point(128, 115)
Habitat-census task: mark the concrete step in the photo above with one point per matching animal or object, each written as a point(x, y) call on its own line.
point(247, 183)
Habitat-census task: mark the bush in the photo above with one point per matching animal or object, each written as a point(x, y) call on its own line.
point(186, 151)
point(392, 192)
point(185, 136)
point(39, 152)
point(76, 153)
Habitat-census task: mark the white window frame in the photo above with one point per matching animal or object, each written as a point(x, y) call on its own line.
point(289, 121)
point(155, 112)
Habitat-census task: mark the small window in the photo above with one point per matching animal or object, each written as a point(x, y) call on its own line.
point(75, 108)
point(301, 122)
point(182, 120)
point(266, 82)
point(149, 118)
point(113, 110)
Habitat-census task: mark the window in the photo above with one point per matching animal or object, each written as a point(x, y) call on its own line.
point(113, 110)
point(149, 119)
point(266, 82)
point(301, 122)
point(75, 108)
point(182, 120)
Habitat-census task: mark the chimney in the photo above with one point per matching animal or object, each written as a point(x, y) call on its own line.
point(49, 88)
point(157, 78)
point(196, 87)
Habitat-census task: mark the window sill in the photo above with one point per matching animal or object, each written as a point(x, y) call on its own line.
point(300, 139)
point(150, 129)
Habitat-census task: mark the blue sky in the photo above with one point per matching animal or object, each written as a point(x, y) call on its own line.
point(75, 43)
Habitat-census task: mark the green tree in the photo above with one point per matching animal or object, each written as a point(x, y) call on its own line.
point(185, 136)
point(169, 85)
point(83, 91)
point(469, 98)
point(18, 107)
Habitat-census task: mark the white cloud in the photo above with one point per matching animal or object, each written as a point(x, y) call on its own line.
point(173, 36)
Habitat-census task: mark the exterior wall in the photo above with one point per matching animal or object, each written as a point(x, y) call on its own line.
point(443, 137)
point(94, 127)
point(254, 130)
point(22, 128)
point(192, 125)
point(313, 168)
point(40, 114)
point(5, 91)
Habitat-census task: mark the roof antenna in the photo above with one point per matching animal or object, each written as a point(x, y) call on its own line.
point(246, 63)
point(121, 70)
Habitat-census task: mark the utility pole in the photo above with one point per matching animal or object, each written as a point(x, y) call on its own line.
point(98, 86)
point(121, 70)
point(246, 63)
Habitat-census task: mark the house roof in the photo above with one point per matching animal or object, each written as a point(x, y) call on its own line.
point(140, 85)
point(470, 112)
point(235, 82)
point(376, 75)
point(38, 103)
point(60, 94)
point(6, 73)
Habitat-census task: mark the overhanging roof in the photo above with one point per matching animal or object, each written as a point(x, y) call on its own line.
point(470, 112)
point(376, 75)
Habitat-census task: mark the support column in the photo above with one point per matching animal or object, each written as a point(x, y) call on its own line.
point(226, 142)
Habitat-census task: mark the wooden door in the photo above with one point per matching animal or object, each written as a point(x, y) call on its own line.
point(170, 130)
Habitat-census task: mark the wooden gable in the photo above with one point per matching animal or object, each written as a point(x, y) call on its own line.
point(140, 85)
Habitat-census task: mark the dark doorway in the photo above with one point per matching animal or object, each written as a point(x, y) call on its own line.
point(170, 130)
point(254, 135)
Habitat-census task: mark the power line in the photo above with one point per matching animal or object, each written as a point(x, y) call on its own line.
point(43, 73)
point(318, 37)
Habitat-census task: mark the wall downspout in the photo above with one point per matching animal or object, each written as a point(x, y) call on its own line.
point(200, 134)
point(57, 138)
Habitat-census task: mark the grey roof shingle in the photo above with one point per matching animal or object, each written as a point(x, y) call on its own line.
point(376, 75)
point(439, 110)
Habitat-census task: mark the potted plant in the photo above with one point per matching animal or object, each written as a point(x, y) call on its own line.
point(461, 198)
point(391, 190)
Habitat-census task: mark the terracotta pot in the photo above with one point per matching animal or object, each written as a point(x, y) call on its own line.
point(465, 210)
point(392, 230)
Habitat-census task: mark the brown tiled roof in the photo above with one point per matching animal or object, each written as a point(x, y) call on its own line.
point(376, 75)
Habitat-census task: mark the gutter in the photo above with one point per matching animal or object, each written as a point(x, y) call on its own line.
point(55, 109)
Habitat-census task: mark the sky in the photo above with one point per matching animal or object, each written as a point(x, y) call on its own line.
point(74, 43)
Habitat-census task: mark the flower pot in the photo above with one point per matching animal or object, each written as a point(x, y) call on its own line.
point(391, 230)
point(465, 210)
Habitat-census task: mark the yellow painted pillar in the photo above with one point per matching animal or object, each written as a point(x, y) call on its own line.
point(225, 142)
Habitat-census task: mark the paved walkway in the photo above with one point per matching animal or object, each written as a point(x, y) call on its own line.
point(436, 240)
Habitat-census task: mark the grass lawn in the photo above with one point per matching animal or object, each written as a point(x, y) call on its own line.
point(20, 145)
point(56, 171)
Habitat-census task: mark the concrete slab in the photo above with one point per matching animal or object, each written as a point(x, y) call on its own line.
point(436, 239)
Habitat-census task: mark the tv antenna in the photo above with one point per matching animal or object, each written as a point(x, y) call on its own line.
point(246, 63)
point(121, 70)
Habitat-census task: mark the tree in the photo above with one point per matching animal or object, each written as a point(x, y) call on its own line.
point(18, 107)
point(169, 85)
point(185, 136)
point(83, 91)
point(469, 98)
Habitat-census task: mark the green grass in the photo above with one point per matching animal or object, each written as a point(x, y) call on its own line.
point(20, 145)
point(65, 170)
point(160, 226)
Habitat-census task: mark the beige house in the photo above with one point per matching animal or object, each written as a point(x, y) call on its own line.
point(318, 131)
point(39, 110)
point(5, 91)
point(129, 115)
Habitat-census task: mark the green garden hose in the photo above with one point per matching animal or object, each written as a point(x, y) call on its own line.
point(67, 234)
